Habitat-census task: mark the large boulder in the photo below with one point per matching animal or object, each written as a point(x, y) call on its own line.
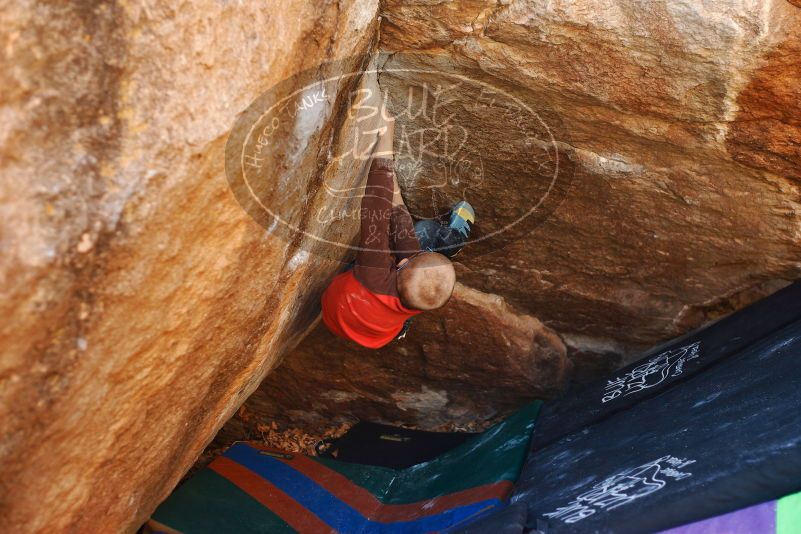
point(683, 128)
point(650, 148)
point(677, 128)
point(141, 304)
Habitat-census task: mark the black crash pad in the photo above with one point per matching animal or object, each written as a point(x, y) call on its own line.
point(508, 520)
point(391, 446)
point(719, 440)
point(665, 366)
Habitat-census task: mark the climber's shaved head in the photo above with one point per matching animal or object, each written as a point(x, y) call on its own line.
point(426, 281)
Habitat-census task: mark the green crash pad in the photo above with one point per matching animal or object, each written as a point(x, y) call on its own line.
point(251, 489)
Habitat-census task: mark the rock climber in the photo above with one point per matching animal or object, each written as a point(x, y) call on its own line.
point(401, 269)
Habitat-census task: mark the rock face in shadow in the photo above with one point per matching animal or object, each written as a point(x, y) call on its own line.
point(676, 127)
point(469, 361)
point(141, 304)
point(766, 132)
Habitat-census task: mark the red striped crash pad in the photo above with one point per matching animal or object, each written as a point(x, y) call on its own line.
point(251, 489)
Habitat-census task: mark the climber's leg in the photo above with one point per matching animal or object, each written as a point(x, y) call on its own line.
point(403, 239)
point(436, 237)
point(461, 218)
point(447, 239)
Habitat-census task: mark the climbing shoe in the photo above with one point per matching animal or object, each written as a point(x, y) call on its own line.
point(462, 217)
point(405, 330)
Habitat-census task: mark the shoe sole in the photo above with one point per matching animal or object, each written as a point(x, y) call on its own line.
point(464, 210)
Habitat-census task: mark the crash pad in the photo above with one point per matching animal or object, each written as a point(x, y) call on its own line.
point(391, 446)
point(702, 433)
point(782, 516)
point(667, 365)
point(255, 489)
point(720, 440)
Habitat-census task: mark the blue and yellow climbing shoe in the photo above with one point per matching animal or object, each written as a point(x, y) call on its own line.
point(462, 217)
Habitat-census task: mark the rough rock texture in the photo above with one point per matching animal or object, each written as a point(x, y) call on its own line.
point(678, 129)
point(678, 201)
point(140, 304)
point(468, 361)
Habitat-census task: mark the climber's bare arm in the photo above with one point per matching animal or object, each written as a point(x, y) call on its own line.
point(386, 134)
point(384, 147)
point(403, 240)
point(387, 229)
